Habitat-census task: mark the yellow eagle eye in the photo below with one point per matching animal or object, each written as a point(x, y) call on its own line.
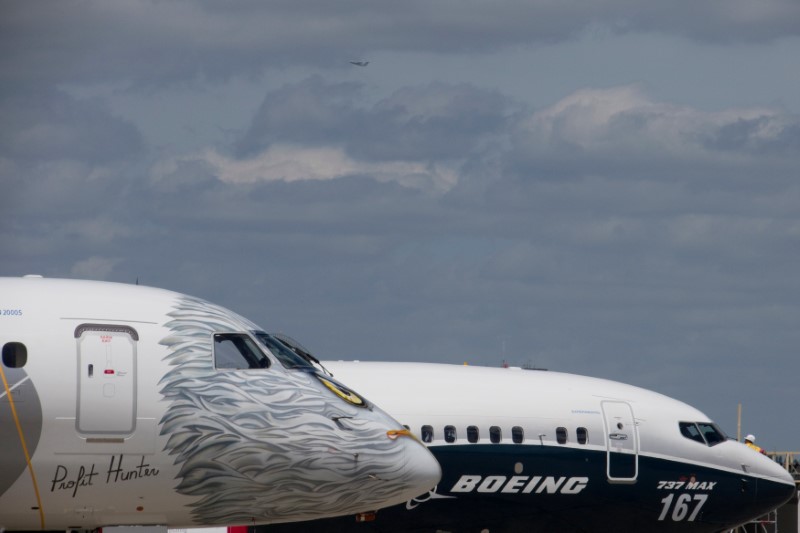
point(343, 392)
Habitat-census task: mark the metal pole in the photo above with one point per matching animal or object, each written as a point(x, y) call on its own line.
point(739, 424)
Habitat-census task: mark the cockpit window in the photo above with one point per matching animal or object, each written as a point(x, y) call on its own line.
point(283, 353)
point(691, 431)
point(236, 351)
point(712, 433)
point(702, 432)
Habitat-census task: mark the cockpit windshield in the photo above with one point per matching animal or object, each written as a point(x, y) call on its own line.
point(702, 432)
point(284, 354)
point(712, 433)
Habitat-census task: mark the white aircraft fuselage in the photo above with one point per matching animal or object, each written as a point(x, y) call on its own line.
point(129, 405)
point(524, 450)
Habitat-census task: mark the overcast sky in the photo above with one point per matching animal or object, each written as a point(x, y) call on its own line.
point(609, 188)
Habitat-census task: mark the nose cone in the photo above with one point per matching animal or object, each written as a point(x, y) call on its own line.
point(391, 480)
point(774, 485)
point(368, 460)
point(420, 470)
point(772, 494)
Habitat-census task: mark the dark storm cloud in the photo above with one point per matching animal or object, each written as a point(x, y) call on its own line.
point(48, 125)
point(739, 21)
point(761, 135)
point(309, 112)
point(66, 170)
point(622, 132)
point(157, 43)
point(437, 121)
point(54, 143)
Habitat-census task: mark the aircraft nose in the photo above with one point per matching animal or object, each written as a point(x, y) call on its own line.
point(420, 471)
point(776, 489)
point(771, 494)
point(774, 486)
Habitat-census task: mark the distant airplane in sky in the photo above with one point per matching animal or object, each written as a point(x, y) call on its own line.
point(129, 405)
point(360, 63)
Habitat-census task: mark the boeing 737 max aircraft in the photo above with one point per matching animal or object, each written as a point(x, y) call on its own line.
point(524, 450)
point(123, 405)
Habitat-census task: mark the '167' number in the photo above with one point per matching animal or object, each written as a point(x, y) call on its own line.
point(682, 507)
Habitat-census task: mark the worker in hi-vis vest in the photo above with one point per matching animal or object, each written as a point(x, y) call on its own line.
point(750, 442)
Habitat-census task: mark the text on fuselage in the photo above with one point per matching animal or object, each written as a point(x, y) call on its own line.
point(686, 485)
point(521, 484)
point(66, 480)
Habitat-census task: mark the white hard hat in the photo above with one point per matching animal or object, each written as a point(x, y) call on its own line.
point(750, 437)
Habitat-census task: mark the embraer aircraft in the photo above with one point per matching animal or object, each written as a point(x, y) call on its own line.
point(525, 450)
point(123, 405)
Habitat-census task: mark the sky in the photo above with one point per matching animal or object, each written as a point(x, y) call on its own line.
point(608, 188)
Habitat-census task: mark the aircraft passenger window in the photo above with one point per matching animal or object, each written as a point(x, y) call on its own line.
point(449, 433)
point(472, 434)
point(561, 435)
point(517, 435)
point(495, 434)
point(583, 435)
point(236, 351)
point(427, 434)
point(712, 433)
point(15, 355)
point(690, 431)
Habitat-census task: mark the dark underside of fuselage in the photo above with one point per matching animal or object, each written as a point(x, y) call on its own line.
point(528, 488)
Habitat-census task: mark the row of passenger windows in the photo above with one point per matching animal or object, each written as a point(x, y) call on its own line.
point(496, 434)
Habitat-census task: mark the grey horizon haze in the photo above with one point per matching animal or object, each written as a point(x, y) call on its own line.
point(608, 188)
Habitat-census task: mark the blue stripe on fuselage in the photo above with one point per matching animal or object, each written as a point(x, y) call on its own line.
point(572, 494)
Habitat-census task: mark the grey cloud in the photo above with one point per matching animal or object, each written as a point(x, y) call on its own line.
point(437, 121)
point(156, 43)
point(714, 22)
point(66, 178)
point(763, 135)
point(434, 121)
point(176, 177)
point(620, 131)
point(99, 268)
point(48, 125)
point(309, 112)
point(67, 162)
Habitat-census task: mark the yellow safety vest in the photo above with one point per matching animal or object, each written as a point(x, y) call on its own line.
point(753, 446)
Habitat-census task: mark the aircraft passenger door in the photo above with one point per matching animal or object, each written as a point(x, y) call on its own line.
point(106, 379)
point(622, 442)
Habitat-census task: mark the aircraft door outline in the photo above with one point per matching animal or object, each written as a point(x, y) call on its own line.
point(107, 379)
point(622, 442)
